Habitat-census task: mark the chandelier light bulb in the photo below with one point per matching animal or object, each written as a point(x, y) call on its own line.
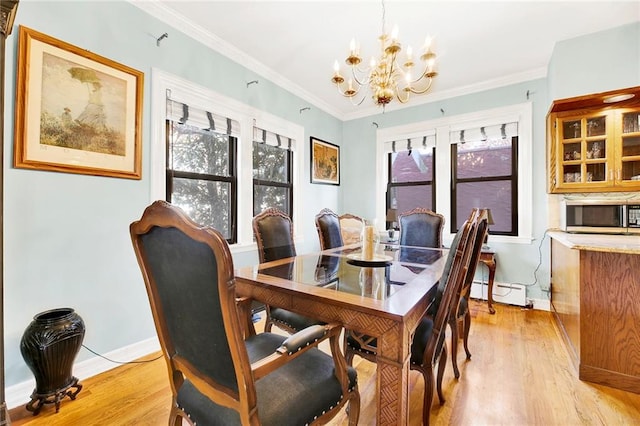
point(394, 33)
point(352, 46)
point(427, 43)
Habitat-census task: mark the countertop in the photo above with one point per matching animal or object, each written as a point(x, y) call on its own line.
point(629, 244)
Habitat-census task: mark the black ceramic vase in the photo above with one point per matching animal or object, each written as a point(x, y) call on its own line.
point(49, 346)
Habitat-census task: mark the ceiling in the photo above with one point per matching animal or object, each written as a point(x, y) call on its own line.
point(480, 44)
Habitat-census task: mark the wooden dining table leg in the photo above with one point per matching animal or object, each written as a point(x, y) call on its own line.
point(392, 380)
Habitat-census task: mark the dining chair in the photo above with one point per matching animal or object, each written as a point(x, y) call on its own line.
point(220, 375)
point(421, 227)
point(328, 227)
point(428, 346)
point(273, 230)
point(351, 227)
point(461, 316)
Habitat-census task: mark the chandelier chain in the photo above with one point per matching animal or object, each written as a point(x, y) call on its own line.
point(384, 12)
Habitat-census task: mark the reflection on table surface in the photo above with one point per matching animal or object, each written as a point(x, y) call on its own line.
point(332, 269)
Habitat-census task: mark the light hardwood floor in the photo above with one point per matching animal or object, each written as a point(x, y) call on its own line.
point(520, 374)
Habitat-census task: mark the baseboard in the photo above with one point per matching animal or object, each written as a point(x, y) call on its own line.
point(614, 379)
point(20, 393)
point(541, 304)
point(511, 294)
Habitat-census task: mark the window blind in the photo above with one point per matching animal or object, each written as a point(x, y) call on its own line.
point(271, 138)
point(182, 113)
point(498, 131)
point(420, 141)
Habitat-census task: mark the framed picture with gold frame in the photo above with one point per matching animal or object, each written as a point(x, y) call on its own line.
point(76, 111)
point(325, 162)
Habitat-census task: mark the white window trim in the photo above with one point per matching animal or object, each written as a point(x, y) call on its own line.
point(247, 116)
point(521, 113)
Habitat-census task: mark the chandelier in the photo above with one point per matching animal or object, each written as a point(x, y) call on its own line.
point(385, 77)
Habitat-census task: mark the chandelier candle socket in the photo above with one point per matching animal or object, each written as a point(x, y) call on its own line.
point(386, 77)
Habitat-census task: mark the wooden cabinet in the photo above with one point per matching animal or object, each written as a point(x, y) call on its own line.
point(594, 296)
point(594, 146)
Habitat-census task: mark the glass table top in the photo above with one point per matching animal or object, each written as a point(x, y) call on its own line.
point(335, 269)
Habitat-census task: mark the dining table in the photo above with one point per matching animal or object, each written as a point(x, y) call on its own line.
point(383, 297)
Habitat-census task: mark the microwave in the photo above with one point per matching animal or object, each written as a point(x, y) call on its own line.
point(600, 216)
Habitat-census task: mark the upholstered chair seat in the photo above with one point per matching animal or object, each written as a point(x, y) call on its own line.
point(306, 386)
point(220, 371)
point(273, 230)
point(428, 346)
point(462, 315)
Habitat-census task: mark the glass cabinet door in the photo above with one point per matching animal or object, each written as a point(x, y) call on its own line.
point(593, 143)
point(630, 146)
point(584, 149)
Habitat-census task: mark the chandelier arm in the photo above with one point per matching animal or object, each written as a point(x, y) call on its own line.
point(398, 92)
point(358, 103)
point(422, 75)
point(421, 91)
point(343, 92)
point(357, 80)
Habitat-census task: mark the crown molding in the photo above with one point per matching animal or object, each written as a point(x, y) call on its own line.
point(167, 15)
point(179, 22)
point(451, 93)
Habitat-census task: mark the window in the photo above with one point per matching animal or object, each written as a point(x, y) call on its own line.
point(484, 174)
point(202, 158)
point(409, 162)
point(492, 169)
point(272, 172)
point(201, 176)
point(411, 180)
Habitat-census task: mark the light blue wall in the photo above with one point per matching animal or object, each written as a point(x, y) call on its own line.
point(516, 262)
point(66, 239)
point(66, 236)
point(599, 62)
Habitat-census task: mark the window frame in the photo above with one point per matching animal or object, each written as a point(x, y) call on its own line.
point(432, 182)
point(513, 178)
point(288, 184)
point(520, 113)
point(232, 179)
point(247, 116)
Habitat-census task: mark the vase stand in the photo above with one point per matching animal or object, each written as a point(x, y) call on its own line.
point(38, 400)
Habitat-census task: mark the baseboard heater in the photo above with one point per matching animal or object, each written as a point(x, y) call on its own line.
point(511, 294)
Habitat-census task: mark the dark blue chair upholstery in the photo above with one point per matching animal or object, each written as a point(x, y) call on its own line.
point(220, 375)
point(462, 314)
point(421, 227)
point(328, 226)
point(273, 231)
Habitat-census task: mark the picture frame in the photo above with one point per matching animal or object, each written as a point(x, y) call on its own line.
point(325, 162)
point(76, 111)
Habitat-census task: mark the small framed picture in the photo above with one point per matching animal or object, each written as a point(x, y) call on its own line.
point(325, 162)
point(76, 112)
